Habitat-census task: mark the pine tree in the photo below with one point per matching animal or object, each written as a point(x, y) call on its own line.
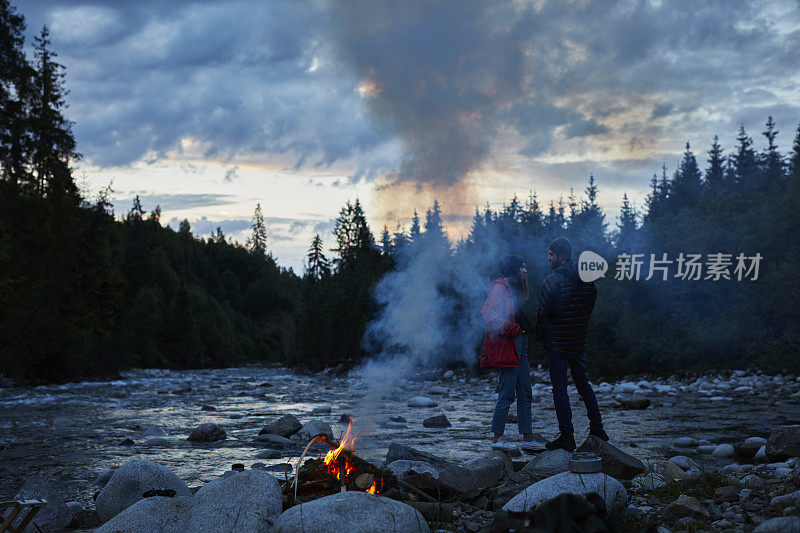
point(794, 158)
point(687, 182)
point(744, 162)
point(771, 161)
point(16, 85)
point(136, 213)
point(399, 238)
point(318, 266)
point(416, 230)
point(715, 173)
point(155, 216)
point(53, 142)
point(218, 237)
point(386, 241)
point(626, 227)
point(257, 243)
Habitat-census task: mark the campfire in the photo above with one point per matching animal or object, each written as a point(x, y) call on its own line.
point(339, 471)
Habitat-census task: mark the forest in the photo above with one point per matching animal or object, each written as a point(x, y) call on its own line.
point(86, 292)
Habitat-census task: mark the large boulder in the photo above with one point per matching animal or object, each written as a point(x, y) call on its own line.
point(477, 474)
point(616, 463)
point(131, 481)
point(611, 490)
point(54, 516)
point(784, 444)
point(207, 433)
point(158, 514)
point(781, 524)
point(285, 426)
point(354, 512)
point(549, 463)
point(245, 501)
point(314, 428)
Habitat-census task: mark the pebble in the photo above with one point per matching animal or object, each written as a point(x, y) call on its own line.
point(731, 469)
point(421, 401)
point(685, 442)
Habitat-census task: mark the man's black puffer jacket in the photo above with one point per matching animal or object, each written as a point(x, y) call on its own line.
point(565, 305)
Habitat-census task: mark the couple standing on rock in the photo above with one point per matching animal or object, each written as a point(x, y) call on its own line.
point(565, 305)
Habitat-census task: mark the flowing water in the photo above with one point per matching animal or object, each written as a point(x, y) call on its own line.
point(70, 433)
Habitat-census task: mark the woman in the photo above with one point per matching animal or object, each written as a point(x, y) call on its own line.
point(505, 346)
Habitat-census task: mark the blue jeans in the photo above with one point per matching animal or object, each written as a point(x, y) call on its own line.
point(558, 364)
point(514, 383)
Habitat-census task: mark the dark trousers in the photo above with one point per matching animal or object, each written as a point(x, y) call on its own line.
point(558, 364)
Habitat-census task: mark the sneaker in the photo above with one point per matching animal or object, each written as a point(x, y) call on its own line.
point(503, 444)
point(599, 433)
point(565, 441)
point(532, 446)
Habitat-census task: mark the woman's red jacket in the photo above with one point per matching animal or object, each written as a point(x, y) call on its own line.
point(500, 328)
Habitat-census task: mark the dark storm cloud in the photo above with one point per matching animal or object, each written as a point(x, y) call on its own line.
point(447, 80)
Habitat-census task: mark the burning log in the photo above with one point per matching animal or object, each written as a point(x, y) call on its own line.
point(341, 470)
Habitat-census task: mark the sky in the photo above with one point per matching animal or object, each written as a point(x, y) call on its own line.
point(209, 107)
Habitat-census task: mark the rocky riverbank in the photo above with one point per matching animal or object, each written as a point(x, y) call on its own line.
point(703, 443)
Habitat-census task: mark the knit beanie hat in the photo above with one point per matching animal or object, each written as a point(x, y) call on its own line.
point(562, 248)
point(510, 265)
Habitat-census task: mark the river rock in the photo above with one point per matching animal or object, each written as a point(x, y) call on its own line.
point(729, 494)
point(103, 477)
point(274, 441)
point(723, 451)
point(394, 425)
point(131, 481)
point(312, 429)
point(354, 512)
point(666, 469)
point(157, 514)
point(761, 455)
point(245, 501)
point(438, 421)
point(616, 463)
point(421, 401)
point(269, 454)
point(684, 463)
point(450, 477)
point(706, 449)
point(549, 463)
point(285, 426)
point(778, 503)
point(686, 506)
point(685, 442)
point(449, 374)
point(54, 516)
point(784, 444)
point(781, 524)
point(436, 389)
point(322, 410)
point(753, 481)
point(612, 491)
point(634, 403)
point(207, 433)
point(153, 431)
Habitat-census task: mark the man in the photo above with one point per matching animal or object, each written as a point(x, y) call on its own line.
point(565, 305)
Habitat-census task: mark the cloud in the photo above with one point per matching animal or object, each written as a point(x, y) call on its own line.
point(171, 202)
point(416, 91)
point(231, 174)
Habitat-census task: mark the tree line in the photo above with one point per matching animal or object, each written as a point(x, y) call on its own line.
point(84, 293)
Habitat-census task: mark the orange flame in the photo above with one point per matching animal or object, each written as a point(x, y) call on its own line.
point(341, 465)
point(332, 457)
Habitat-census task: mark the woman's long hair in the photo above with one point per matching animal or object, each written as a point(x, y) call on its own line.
point(520, 282)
